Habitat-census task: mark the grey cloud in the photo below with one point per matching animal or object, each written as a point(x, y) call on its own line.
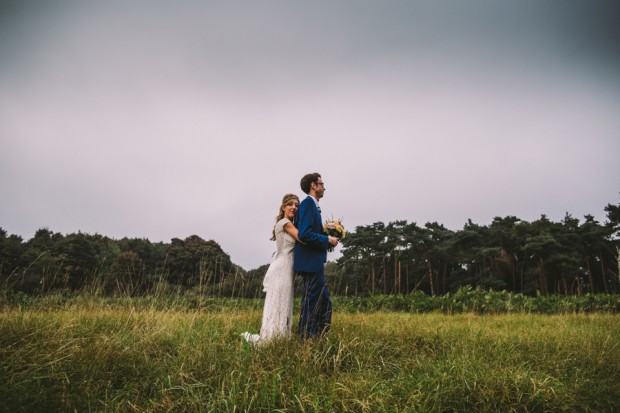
point(160, 120)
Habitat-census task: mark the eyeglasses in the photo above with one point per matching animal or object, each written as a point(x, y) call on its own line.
point(320, 184)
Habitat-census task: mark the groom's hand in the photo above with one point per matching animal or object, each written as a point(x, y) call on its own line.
point(333, 241)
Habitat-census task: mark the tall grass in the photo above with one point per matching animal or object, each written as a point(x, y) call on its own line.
point(464, 300)
point(121, 357)
point(467, 299)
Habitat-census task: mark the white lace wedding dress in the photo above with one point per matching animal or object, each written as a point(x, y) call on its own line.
point(278, 284)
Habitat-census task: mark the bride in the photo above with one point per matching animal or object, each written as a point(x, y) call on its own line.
point(278, 282)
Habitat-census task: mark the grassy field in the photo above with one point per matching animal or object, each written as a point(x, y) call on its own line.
point(121, 359)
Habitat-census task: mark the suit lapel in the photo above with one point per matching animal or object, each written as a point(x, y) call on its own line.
point(318, 219)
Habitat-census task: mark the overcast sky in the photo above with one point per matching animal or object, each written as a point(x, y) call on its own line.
point(162, 119)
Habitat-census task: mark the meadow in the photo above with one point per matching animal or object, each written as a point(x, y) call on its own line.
point(126, 355)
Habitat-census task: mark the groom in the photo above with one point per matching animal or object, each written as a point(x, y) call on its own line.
point(309, 259)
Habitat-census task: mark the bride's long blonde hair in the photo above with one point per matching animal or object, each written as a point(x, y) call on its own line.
point(285, 201)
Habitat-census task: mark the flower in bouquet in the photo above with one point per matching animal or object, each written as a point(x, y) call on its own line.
point(334, 228)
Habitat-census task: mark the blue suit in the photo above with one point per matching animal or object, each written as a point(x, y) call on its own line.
point(309, 261)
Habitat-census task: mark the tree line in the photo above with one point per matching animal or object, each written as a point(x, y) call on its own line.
point(51, 262)
point(569, 257)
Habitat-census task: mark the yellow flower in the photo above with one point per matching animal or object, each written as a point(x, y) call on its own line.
point(334, 228)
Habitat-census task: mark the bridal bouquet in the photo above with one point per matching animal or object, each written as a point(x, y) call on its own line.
point(334, 228)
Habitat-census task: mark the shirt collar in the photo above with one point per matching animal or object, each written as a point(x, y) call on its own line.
point(316, 201)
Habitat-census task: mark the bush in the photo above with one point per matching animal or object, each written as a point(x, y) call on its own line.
point(480, 301)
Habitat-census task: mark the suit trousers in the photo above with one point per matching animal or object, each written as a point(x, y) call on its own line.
point(316, 306)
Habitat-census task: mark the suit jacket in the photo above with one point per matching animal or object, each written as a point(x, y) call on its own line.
point(312, 254)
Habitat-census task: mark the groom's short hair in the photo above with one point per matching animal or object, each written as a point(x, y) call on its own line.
point(307, 180)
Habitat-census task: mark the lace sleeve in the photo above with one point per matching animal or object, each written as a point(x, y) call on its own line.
point(281, 223)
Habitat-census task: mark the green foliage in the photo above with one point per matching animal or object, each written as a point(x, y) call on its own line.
point(568, 257)
point(469, 300)
point(194, 261)
point(77, 263)
point(164, 296)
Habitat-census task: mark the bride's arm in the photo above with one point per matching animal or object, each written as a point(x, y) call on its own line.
point(291, 230)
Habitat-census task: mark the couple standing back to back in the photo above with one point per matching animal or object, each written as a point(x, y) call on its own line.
point(301, 248)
